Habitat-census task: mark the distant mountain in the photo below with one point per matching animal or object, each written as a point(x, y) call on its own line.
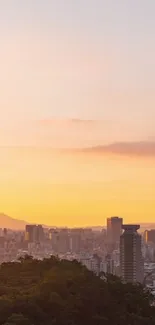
point(10, 223)
point(15, 224)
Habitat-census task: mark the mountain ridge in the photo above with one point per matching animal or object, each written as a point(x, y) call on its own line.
point(16, 224)
point(11, 223)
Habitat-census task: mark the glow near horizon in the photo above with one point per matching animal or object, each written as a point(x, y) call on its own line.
point(86, 60)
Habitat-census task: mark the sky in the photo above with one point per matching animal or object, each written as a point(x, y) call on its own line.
point(76, 75)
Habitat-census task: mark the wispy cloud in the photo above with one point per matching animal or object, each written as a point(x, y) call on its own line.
point(86, 135)
point(143, 148)
point(69, 122)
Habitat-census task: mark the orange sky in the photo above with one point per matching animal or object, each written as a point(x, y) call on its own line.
point(75, 189)
point(77, 74)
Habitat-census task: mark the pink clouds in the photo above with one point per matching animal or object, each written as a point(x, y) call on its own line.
point(94, 135)
point(144, 148)
point(69, 122)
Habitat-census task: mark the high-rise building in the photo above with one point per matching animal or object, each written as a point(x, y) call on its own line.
point(34, 233)
point(60, 240)
point(54, 236)
point(131, 260)
point(29, 232)
point(5, 231)
point(110, 264)
point(114, 230)
point(39, 234)
point(149, 236)
point(76, 240)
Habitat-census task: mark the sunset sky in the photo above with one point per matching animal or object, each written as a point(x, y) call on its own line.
point(77, 118)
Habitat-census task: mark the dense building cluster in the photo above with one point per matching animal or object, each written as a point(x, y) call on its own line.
point(116, 249)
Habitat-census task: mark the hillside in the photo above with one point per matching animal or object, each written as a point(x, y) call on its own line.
point(8, 222)
point(54, 292)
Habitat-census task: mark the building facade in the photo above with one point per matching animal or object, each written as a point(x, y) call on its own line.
point(34, 233)
point(131, 260)
point(114, 230)
point(149, 236)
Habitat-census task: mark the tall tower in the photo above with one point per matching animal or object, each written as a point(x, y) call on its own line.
point(34, 233)
point(114, 229)
point(131, 260)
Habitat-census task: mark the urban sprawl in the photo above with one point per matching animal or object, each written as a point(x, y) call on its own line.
point(117, 249)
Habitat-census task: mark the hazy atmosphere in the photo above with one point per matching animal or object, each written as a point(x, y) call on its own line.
point(77, 162)
point(77, 113)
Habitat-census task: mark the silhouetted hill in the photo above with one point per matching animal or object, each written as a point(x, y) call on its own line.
point(8, 222)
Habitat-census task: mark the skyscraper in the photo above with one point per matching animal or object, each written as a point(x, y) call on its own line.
point(131, 260)
point(149, 236)
point(114, 229)
point(34, 233)
point(29, 232)
point(76, 240)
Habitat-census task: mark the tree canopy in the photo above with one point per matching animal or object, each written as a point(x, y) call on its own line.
point(59, 292)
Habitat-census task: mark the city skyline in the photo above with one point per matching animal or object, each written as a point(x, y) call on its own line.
point(77, 139)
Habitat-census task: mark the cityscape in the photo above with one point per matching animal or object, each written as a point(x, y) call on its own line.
point(118, 249)
point(77, 162)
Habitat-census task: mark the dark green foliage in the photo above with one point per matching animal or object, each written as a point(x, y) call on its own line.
point(54, 292)
point(18, 319)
